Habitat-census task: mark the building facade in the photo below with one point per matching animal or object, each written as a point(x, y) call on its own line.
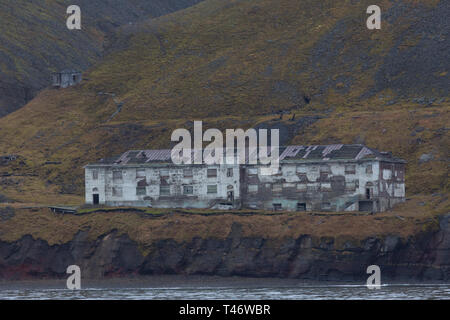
point(66, 78)
point(310, 178)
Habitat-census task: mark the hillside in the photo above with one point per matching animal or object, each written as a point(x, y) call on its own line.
point(35, 40)
point(242, 64)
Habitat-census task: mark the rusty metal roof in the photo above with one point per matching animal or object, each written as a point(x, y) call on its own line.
point(299, 153)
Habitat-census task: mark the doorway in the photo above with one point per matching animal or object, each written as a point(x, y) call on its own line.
point(96, 198)
point(230, 196)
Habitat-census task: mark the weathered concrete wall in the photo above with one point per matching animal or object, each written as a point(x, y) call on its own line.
point(174, 179)
point(323, 186)
point(331, 186)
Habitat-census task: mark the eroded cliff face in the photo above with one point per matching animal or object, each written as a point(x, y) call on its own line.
point(423, 257)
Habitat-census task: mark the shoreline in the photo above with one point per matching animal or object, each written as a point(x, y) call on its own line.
point(181, 281)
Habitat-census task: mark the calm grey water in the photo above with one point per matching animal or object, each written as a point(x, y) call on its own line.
point(346, 292)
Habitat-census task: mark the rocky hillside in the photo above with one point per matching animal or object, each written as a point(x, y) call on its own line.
point(35, 40)
point(245, 64)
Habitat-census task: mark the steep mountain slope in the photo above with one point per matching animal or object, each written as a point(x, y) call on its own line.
point(240, 64)
point(34, 39)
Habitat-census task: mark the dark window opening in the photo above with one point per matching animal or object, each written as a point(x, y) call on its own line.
point(230, 196)
point(301, 206)
point(141, 191)
point(188, 189)
point(164, 190)
point(212, 173)
point(277, 207)
point(96, 198)
point(366, 206)
point(368, 193)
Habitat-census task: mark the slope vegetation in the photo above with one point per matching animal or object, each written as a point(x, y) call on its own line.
point(242, 64)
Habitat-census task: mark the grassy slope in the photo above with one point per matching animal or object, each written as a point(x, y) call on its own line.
point(233, 64)
point(410, 219)
point(35, 40)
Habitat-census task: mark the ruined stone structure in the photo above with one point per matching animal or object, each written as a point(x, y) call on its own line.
point(323, 178)
point(66, 78)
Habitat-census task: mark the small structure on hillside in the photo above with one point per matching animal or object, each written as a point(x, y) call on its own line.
point(66, 78)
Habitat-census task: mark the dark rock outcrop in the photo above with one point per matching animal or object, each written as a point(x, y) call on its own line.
point(424, 257)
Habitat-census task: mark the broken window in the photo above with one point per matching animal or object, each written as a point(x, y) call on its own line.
point(187, 173)
point(164, 190)
point(94, 174)
point(277, 206)
point(212, 189)
point(164, 173)
point(325, 186)
point(277, 187)
point(350, 168)
point(229, 172)
point(387, 174)
point(326, 206)
point(350, 185)
point(140, 173)
point(117, 176)
point(117, 191)
point(188, 190)
point(141, 191)
point(212, 173)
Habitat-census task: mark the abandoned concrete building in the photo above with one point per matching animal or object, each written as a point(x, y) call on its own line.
point(320, 178)
point(66, 78)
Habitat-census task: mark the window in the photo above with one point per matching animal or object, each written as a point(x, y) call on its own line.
point(94, 174)
point(301, 187)
point(140, 173)
point(301, 206)
point(117, 191)
point(277, 206)
point(350, 168)
point(387, 174)
point(212, 189)
point(117, 176)
point(253, 188)
point(188, 190)
point(325, 186)
point(326, 206)
point(164, 172)
point(252, 171)
point(229, 172)
point(369, 169)
point(212, 173)
point(351, 185)
point(141, 191)
point(187, 173)
point(164, 190)
point(276, 187)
